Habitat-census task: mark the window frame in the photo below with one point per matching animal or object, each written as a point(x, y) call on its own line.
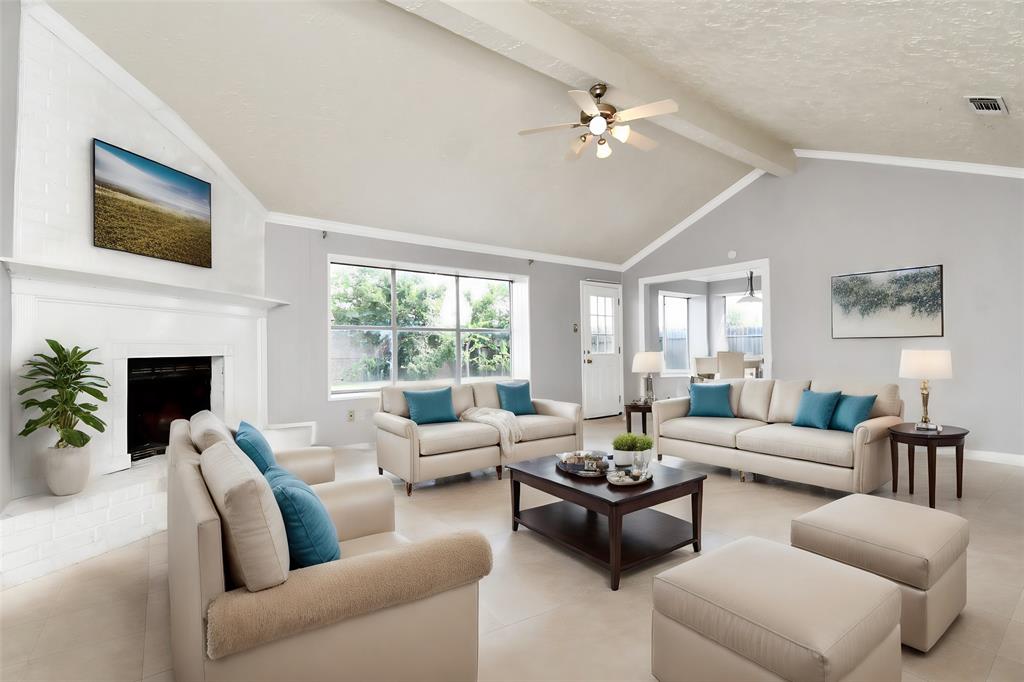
point(662, 295)
point(394, 329)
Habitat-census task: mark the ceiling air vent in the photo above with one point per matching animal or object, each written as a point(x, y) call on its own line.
point(987, 106)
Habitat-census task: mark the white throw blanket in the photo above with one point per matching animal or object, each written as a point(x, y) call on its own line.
point(509, 431)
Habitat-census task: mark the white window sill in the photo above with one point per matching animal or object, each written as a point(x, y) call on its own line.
point(676, 375)
point(347, 397)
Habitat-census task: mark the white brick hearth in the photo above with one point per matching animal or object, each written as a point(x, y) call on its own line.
point(42, 533)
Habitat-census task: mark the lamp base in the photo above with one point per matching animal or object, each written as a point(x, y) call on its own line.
point(922, 426)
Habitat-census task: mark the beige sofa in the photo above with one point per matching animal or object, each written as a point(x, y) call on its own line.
point(424, 452)
point(327, 621)
point(761, 438)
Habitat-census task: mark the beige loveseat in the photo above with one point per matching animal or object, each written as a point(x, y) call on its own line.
point(761, 438)
point(329, 621)
point(424, 452)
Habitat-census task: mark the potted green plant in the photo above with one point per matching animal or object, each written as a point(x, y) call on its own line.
point(625, 444)
point(64, 376)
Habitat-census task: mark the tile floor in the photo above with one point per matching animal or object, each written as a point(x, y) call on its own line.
point(107, 618)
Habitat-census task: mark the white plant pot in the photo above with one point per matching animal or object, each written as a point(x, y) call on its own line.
point(623, 458)
point(67, 470)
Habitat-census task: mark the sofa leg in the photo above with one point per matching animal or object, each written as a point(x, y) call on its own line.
point(380, 471)
point(499, 470)
point(408, 489)
point(743, 476)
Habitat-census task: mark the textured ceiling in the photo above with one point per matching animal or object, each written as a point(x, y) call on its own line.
point(869, 76)
point(363, 113)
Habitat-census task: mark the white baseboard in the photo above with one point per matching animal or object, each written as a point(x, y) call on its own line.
point(997, 457)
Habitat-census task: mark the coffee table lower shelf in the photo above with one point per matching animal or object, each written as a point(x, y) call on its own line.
point(646, 533)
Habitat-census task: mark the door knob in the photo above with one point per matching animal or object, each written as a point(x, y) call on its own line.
point(589, 361)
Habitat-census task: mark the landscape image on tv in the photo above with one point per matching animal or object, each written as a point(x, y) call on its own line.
point(145, 207)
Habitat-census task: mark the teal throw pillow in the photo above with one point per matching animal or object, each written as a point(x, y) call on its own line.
point(515, 397)
point(249, 439)
point(710, 400)
point(850, 411)
point(815, 409)
point(431, 407)
point(312, 537)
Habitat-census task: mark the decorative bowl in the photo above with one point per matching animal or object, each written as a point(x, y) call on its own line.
point(586, 463)
point(623, 477)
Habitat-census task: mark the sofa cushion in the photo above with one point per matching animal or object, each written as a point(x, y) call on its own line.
point(255, 539)
point(539, 426)
point(436, 439)
point(887, 402)
point(485, 394)
point(798, 442)
point(515, 397)
point(431, 407)
point(710, 430)
point(815, 409)
point(312, 537)
point(710, 400)
point(798, 615)
point(755, 399)
point(253, 444)
point(207, 429)
point(785, 399)
point(392, 398)
point(850, 411)
point(368, 544)
point(904, 542)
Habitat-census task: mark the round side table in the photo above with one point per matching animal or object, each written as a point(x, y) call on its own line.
point(951, 436)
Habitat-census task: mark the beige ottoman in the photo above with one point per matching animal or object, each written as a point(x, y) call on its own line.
point(758, 610)
point(924, 551)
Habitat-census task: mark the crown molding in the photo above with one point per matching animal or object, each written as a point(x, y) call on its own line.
point(338, 227)
point(717, 201)
point(911, 162)
point(77, 42)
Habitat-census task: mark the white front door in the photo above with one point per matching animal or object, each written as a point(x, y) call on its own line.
point(601, 315)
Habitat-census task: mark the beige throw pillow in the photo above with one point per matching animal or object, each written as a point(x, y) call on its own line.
point(785, 400)
point(208, 429)
point(755, 399)
point(254, 535)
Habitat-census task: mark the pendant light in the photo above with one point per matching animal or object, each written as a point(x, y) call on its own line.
point(750, 297)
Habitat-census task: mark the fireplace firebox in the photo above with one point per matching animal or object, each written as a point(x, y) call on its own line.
point(161, 390)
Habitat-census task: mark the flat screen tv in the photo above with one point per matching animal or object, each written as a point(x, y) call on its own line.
point(144, 207)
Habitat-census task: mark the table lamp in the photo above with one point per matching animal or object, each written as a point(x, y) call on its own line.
point(926, 365)
point(648, 363)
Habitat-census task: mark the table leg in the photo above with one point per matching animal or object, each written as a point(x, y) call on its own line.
point(615, 546)
point(894, 450)
point(696, 505)
point(629, 422)
point(515, 503)
point(959, 470)
point(643, 422)
point(910, 467)
point(932, 447)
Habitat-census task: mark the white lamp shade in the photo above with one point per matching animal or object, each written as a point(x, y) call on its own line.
point(649, 362)
point(926, 364)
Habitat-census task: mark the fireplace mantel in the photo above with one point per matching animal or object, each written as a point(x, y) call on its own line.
point(24, 269)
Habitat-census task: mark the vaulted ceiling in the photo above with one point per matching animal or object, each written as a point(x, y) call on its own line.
point(361, 112)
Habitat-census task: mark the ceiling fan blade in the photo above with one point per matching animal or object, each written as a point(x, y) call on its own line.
point(639, 141)
point(544, 129)
point(578, 145)
point(665, 106)
point(585, 102)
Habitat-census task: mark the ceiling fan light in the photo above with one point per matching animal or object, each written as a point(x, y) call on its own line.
point(604, 150)
point(621, 133)
point(598, 125)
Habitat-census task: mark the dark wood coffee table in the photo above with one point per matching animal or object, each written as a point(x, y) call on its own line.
point(630, 534)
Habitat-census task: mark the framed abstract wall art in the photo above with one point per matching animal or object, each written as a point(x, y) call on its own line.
point(150, 209)
point(888, 303)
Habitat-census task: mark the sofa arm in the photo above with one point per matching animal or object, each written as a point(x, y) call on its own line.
point(313, 464)
point(325, 594)
point(874, 429)
point(358, 508)
point(673, 408)
point(393, 423)
point(558, 408)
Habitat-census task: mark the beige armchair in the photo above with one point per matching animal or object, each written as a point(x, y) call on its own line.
point(328, 621)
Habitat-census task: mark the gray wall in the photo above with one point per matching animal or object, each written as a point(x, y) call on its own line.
point(296, 271)
point(834, 217)
point(10, 21)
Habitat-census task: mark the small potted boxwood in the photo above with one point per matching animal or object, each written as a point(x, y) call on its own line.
point(625, 444)
point(63, 377)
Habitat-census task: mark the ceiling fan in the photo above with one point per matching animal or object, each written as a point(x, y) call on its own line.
point(600, 118)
